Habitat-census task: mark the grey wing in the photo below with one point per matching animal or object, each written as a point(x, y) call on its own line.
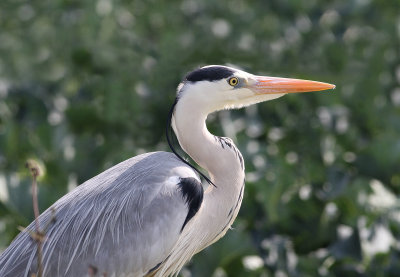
point(124, 221)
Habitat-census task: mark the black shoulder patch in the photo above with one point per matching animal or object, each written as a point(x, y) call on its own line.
point(211, 73)
point(192, 192)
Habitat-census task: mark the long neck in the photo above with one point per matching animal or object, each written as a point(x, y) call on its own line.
point(222, 160)
point(219, 156)
point(221, 204)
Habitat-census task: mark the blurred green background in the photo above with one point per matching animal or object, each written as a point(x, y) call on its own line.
point(87, 84)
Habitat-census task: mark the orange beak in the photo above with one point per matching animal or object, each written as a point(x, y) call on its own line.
point(273, 85)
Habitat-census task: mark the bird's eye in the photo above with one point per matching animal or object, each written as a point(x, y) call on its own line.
point(233, 81)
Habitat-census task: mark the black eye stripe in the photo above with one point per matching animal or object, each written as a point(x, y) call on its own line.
point(211, 73)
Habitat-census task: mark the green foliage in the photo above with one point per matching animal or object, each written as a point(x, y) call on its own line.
point(87, 84)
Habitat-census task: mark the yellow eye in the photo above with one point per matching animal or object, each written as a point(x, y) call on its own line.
point(233, 81)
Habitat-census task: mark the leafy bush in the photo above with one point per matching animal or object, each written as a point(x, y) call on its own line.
point(86, 84)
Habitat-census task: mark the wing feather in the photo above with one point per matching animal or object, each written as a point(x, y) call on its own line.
point(123, 222)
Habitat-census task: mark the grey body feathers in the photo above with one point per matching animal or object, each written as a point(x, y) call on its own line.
point(123, 222)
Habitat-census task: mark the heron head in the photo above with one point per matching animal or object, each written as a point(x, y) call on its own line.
point(216, 87)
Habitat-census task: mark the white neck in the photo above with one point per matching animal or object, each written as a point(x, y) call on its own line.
point(224, 163)
point(222, 160)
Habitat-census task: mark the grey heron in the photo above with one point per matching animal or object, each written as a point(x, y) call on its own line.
point(148, 215)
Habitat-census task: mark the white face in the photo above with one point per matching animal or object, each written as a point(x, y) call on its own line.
point(213, 88)
point(235, 91)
